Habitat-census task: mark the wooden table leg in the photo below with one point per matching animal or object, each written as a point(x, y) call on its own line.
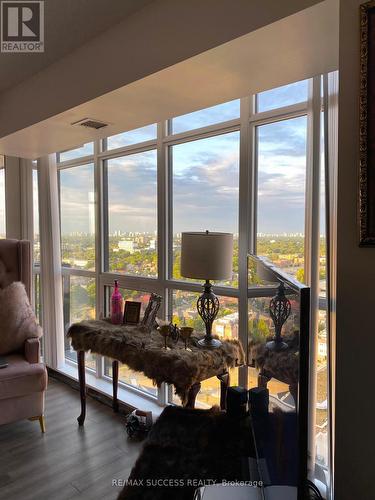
point(115, 385)
point(192, 394)
point(224, 384)
point(82, 385)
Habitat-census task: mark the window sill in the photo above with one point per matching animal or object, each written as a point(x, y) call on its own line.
point(127, 396)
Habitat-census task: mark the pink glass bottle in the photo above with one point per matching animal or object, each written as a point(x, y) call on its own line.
point(116, 305)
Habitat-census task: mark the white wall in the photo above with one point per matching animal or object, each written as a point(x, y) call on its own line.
point(355, 340)
point(158, 36)
point(297, 47)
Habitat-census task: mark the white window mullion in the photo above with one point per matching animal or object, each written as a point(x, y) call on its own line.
point(330, 93)
point(312, 246)
point(98, 193)
point(163, 231)
point(162, 207)
point(244, 223)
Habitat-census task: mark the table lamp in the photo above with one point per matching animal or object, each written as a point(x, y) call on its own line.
point(208, 256)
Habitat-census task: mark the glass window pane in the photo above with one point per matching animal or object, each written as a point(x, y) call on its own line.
point(77, 217)
point(204, 117)
point(126, 375)
point(282, 96)
point(132, 214)
point(225, 327)
point(205, 191)
point(37, 297)
point(38, 304)
point(84, 150)
point(281, 193)
point(321, 431)
point(2, 202)
point(142, 134)
point(36, 218)
point(79, 298)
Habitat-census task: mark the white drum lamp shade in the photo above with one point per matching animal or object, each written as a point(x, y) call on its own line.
point(207, 256)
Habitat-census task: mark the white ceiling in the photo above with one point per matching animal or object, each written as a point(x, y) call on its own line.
point(291, 49)
point(68, 24)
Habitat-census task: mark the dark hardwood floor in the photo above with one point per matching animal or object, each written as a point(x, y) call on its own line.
point(67, 461)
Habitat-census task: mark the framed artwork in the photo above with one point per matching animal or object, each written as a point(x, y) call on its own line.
point(149, 318)
point(367, 125)
point(132, 312)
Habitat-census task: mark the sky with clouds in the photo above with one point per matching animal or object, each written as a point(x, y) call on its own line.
point(205, 176)
point(77, 199)
point(132, 187)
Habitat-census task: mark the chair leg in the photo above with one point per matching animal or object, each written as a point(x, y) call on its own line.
point(42, 423)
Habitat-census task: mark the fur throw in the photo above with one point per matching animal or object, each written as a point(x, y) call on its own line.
point(188, 447)
point(282, 365)
point(143, 352)
point(17, 319)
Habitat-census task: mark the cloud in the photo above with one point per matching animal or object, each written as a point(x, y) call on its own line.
point(132, 137)
point(205, 185)
point(215, 114)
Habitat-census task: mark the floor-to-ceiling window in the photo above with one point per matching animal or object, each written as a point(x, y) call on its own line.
point(125, 200)
point(204, 186)
point(131, 239)
point(281, 194)
point(77, 222)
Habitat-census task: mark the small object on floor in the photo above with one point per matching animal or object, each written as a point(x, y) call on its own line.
point(236, 402)
point(3, 362)
point(138, 423)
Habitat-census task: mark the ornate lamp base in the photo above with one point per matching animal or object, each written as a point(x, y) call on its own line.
point(277, 345)
point(280, 308)
point(208, 307)
point(209, 342)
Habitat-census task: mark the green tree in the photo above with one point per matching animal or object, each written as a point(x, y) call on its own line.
point(300, 275)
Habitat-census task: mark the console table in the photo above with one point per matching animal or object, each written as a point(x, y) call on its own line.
point(144, 351)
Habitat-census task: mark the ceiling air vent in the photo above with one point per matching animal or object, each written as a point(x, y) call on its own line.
point(90, 123)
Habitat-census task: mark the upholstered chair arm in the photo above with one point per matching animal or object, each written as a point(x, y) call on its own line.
point(32, 350)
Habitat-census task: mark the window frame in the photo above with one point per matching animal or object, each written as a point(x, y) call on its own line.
point(164, 284)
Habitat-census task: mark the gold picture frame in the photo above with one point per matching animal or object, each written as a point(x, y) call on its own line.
point(132, 312)
point(367, 126)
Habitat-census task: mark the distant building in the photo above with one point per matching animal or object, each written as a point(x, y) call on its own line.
point(127, 245)
point(79, 263)
point(322, 349)
point(226, 326)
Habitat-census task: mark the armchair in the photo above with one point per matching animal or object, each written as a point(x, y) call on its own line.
point(23, 382)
